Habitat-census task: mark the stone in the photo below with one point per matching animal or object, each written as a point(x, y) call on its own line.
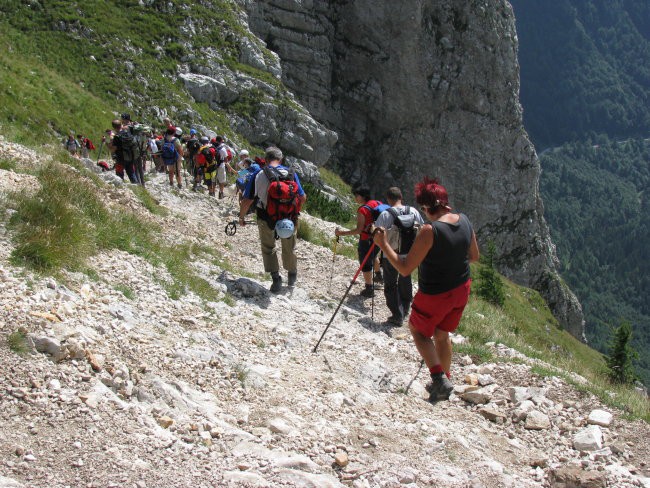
point(477, 397)
point(341, 459)
point(536, 420)
point(485, 380)
point(588, 439)
point(518, 394)
point(279, 426)
point(471, 379)
point(49, 345)
point(492, 414)
point(9, 483)
point(600, 417)
point(165, 422)
point(574, 477)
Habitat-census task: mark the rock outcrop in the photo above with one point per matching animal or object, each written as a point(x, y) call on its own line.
point(426, 88)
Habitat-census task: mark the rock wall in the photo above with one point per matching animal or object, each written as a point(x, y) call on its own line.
point(426, 88)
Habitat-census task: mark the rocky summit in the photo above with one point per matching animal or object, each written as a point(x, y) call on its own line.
point(124, 384)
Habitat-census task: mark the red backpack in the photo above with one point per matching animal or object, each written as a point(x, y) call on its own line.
point(283, 201)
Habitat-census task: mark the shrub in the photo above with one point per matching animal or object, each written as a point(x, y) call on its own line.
point(320, 205)
point(619, 360)
point(490, 285)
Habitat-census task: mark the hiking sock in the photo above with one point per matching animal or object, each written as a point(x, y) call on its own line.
point(448, 374)
point(437, 369)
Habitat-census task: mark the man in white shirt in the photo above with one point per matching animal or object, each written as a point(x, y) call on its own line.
point(398, 289)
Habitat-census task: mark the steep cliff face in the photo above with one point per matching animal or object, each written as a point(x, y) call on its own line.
point(426, 88)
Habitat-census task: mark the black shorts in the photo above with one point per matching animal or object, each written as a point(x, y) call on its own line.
point(362, 248)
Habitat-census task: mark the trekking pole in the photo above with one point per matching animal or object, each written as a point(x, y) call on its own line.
point(414, 378)
point(333, 260)
point(354, 279)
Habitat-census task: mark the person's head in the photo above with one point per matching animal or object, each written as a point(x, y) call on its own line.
point(80, 136)
point(117, 124)
point(272, 154)
point(393, 195)
point(171, 131)
point(192, 132)
point(218, 139)
point(361, 193)
point(126, 118)
point(243, 154)
point(431, 196)
point(205, 140)
point(179, 132)
point(167, 122)
point(247, 162)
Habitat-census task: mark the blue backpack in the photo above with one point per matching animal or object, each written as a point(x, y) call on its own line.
point(169, 153)
point(376, 212)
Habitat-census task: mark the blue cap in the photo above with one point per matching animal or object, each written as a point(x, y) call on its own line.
point(192, 132)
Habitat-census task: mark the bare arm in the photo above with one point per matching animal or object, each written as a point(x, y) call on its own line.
point(421, 246)
point(473, 252)
point(361, 223)
point(244, 206)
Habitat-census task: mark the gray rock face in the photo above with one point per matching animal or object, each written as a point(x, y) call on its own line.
point(429, 88)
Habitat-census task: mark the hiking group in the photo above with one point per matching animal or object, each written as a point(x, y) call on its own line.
point(394, 238)
point(441, 244)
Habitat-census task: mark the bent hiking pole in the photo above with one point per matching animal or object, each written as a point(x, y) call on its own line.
point(354, 280)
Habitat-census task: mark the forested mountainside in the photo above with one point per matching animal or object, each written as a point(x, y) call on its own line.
point(596, 200)
point(585, 68)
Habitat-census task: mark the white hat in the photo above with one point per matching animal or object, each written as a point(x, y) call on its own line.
point(243, 152)
point(179, 131)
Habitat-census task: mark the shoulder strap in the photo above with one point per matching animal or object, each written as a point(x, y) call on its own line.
point(270, 173)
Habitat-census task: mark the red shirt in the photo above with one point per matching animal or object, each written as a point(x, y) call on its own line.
point(367, 216)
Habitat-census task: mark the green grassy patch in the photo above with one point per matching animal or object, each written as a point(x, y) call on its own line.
point(126, 291)
point(149, 202)
point(18, 342)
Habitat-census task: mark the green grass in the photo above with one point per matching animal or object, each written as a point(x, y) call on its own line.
point(7, 164)
point(18, 342)
point(149, 202)
point(126, 291)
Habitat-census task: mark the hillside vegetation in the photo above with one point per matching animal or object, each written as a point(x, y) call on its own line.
point(596, 203)
point(585, 68)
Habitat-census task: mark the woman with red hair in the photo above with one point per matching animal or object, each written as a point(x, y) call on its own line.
point(443, 250)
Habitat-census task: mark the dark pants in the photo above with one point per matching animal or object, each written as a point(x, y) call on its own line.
point(398, 290)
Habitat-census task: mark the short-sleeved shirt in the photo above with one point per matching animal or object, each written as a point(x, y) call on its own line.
point(367, 217)
point(258, 187)
point(386, 220)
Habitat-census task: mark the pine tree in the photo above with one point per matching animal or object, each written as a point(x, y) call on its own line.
point(621, 355)
point(490, 285)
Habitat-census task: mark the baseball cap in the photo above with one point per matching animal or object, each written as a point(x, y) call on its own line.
point(192, 132)
point(243, 152)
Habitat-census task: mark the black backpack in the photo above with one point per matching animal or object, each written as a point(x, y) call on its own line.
point(127, 147)
point(407, 229)
point(193, 146)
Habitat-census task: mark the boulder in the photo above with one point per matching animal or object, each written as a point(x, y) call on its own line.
point(588, 439)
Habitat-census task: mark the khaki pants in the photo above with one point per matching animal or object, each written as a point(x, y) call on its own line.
point(269, 251)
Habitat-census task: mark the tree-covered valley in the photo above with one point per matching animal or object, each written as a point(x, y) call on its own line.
point(585, 86)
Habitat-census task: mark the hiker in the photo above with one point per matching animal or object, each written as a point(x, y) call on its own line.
point(364, 222)
point(223, 157)
point(204, 157)
point(249, 170)
point(192, 146)
point(171, 153)
point(275, 217)
point(72, 145)
point(121, 150)
point(243, 156)
point(443, 250)
point(85, 145)
point(401, 223)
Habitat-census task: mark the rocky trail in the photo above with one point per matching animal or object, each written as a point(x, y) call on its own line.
point(151, 391)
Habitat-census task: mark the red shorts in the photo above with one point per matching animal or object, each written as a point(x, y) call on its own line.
point(440, 311)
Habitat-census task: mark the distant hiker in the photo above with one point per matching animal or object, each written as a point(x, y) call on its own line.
point(125, 148)
point(224, 155)
point(72, 145)
point(204, 159)
point(243, 155)
point(249, 170)
point(171, 153)
point(443, 250)
point(192, 145)
point(279, 199)
point(401, 223)
point(86, 145)
point(364, 222)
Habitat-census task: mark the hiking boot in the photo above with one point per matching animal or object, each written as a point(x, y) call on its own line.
point(221, 195)
point(180, 185)
point(440, 387)
point(277, 283)
point(394, 321)
point(367, 292)
point(379, 278)
point(293, 276)
point(171, 183)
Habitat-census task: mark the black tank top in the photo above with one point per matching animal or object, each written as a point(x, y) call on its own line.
point(446, 265)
